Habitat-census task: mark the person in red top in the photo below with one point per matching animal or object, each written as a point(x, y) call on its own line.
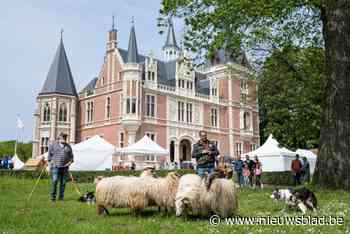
point(296, 170)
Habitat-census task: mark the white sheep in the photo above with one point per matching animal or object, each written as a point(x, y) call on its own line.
point(162, 191)
point(121, 192)
point(194, 199)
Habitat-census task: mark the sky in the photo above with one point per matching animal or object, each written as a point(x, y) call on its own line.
point(30, 33)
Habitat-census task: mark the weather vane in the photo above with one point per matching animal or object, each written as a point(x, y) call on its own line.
point(61, 32)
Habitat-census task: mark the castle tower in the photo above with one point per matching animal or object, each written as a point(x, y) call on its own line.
point(171, 51)
point(56, 104)
point(132, 73)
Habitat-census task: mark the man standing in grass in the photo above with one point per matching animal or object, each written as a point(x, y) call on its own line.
point(60, 157)
point(205, 153)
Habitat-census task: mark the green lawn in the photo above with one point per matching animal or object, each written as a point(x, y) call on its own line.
point(41, 216)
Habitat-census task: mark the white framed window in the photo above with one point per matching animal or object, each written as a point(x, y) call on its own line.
point(89, 111)
point(239, 148)
point(108, 108)
point(121, 139)
point(253, 147)
point(150, 105)
point(246, 121)
point(44, 145)
point(131, 105)
point(214, 117)
point(244, 91)
point(151, 135)
point(47, 112)
point(62, 114)
point(181, 111)
point(189, 112)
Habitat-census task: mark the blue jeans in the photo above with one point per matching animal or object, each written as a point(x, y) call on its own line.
point(59, 174)
point(240, 178)
point(201, 170)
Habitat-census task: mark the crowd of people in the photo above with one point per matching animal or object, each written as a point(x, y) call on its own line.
point(249, 172)
point(6, 163)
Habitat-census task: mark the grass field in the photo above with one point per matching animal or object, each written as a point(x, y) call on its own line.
point(39, 215)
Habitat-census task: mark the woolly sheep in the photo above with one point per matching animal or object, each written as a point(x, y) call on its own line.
point(162, 191)
point(121, 192)
point(194, 199)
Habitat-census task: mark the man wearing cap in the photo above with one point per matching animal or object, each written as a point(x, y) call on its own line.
point(60, 157)
point(205, 152)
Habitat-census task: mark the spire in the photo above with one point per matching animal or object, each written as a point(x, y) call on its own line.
point(133, 55)
point(59, 79)
point(170, 39)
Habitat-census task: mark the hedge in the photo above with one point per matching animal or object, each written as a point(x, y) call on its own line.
point(272, 178)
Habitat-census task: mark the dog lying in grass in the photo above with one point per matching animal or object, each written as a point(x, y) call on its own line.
point(302, 198)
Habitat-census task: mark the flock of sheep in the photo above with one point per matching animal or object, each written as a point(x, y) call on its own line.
point(188, 195)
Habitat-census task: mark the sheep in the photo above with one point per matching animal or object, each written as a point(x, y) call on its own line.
point(121, 192)
point(162, 191)
point(147, 172)
point(193, 198)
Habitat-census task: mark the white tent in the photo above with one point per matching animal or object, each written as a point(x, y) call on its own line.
point(272, 156)
point(144, 153)
point(94, 154)
point(17, 163)
point(145, 146)
point(311, 157)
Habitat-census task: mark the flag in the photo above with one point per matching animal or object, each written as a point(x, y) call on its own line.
point(20, 124)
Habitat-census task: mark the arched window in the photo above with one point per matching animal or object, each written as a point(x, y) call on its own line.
point(246, 120)
point(46, 112)
point(62, 116)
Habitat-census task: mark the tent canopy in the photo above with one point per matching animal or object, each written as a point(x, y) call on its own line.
point(270, 148)
point(94, 154)
point(17, 163)
point(145, 146)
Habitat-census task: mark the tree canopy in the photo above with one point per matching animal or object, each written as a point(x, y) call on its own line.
point(290, 100)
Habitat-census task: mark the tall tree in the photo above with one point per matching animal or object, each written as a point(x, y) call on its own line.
point(289, 99)
point(274, 24)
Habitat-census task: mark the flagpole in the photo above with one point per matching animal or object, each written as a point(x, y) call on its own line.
point(16, 140)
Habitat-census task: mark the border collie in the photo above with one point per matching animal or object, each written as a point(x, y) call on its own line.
point(88, 198)
point(302, 198)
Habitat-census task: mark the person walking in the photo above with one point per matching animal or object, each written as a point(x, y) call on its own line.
point(305, 171)
point(239, 165)
point(251, 165)
point(257, 173)
point(60, 157)
point(246, 175)
point(205, 153)
point(296, 170)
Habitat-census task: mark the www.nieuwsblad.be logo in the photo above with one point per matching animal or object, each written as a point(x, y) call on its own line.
point(274, 220)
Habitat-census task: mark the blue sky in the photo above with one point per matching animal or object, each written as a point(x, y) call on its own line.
point(30, 32)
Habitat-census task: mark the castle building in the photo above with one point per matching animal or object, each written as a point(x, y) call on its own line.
point(135, 95)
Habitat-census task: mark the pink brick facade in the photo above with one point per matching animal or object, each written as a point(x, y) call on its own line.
point(125, 103)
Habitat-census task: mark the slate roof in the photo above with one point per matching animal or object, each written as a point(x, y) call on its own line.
point(170, 39)
point(90, 86)
point(59, 78)
point(133, 55)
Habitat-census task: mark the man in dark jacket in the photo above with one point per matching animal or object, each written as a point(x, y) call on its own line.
point(205, 153)
point(251, 166)
point(60, 157)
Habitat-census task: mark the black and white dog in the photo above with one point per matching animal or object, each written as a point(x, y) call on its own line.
point(301, 198)
point(88, 198)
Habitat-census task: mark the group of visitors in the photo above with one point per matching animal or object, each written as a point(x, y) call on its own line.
point(300, 170)
point(6, 163)
point(249, 172)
